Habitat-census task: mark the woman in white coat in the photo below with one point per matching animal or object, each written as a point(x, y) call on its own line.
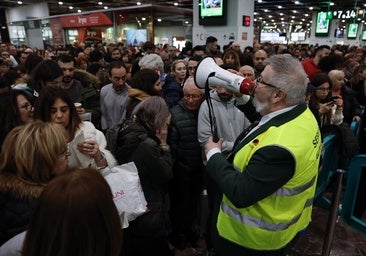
point(87, 144)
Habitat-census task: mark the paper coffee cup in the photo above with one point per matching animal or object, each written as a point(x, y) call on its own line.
point(77, 105)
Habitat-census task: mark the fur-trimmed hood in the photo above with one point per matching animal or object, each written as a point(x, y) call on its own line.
point(86, 78)
point(10, 183)
point(138, 94)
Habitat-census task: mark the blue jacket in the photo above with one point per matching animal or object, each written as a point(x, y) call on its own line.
point(172, 91)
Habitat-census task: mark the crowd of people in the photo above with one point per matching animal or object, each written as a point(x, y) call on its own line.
point(68, 114)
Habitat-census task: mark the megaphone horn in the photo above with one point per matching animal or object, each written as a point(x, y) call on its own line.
point(218, 77)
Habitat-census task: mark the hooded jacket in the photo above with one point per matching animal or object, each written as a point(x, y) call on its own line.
point(230, 121)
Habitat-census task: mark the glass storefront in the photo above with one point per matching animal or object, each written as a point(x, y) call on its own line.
point(130, 27)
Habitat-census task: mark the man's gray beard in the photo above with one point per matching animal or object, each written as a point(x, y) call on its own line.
point(260, 107)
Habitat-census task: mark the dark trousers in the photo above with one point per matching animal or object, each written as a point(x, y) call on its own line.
point(143, 246)
point(214, 200)
point(184, 200)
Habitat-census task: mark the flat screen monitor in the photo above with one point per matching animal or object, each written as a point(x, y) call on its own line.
point(363, 36)
point(322, 24)
point(212, 12)
point(352, 30)
point(136, 36)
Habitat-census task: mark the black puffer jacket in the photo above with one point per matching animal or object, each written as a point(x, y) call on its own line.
point(17, 203)
point(182, 137)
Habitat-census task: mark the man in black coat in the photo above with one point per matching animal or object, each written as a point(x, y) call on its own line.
point(187, 181)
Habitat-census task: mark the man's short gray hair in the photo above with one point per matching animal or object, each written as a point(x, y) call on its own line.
point(290, 76)
point(190, 80)
point(151, 61)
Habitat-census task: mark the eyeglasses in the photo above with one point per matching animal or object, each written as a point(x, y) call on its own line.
point(323, 89)
point(192, 96)
point(191, 68)
point(260, 80)
point(27, 107)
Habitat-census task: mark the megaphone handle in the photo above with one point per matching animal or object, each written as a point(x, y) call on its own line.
point(211, 113)
point(215, 137)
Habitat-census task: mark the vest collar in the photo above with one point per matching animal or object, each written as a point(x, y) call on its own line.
point(276, 121)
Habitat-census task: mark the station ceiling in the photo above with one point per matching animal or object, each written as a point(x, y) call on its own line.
point(275, 14)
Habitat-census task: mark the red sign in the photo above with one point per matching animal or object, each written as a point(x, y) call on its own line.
point(89, 36)
point(91, 20)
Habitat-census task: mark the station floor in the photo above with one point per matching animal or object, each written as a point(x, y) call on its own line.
point(346, 241)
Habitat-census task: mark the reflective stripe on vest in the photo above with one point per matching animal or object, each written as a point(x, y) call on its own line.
point(254, 222)
point(294, 191)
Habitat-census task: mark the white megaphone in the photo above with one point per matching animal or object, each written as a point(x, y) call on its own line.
point(218, 77)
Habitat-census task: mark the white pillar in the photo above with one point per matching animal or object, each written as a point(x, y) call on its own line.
point(233, 31)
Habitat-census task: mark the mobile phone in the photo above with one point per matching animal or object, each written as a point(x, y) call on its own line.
point(331, 99)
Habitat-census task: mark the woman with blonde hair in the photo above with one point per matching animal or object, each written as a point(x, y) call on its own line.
point(173, 87)
point(31, 156)
point(346, 97)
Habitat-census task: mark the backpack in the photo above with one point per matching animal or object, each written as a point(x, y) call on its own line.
point(118, 149)
point(111, 136)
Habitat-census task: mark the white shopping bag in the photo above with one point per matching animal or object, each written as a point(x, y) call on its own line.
point(127, 192)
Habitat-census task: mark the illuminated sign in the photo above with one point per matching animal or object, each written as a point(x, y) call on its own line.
point(246, 21)
point(352, 30)
point(322, 24)
point(346, 14)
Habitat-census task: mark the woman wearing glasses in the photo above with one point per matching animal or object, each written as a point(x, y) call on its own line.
point(16, 108)
point(326, 109)
point(31, 156)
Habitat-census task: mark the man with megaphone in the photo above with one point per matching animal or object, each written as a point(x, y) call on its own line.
point(268, 182)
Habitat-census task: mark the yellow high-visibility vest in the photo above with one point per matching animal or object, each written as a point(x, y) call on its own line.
point(273, 222)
